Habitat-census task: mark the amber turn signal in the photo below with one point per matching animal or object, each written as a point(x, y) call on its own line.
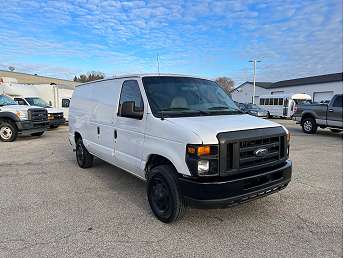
point(203, 150)
point(191, 150)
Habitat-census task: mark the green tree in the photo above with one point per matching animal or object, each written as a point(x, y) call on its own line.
point(88, 77)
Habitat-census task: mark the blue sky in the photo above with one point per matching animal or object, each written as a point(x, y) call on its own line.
point(207, 38)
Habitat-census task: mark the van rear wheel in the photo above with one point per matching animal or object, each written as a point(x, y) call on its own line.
point(164, 196)
point(83, 157)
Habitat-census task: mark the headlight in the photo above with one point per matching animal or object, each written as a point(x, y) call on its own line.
point(22, 115)
point(202, 160)
point(203, 167)
point(50, 116)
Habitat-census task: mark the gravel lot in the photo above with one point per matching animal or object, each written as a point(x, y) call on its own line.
point(50, 207)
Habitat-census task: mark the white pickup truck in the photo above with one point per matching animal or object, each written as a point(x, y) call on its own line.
point(55, 115)
point(24, 120)
point(184, 136)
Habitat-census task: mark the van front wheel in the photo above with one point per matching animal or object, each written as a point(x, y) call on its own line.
point(83, 157)
point(164, 196)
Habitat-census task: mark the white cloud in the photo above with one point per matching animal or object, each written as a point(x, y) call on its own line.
point(294, 38)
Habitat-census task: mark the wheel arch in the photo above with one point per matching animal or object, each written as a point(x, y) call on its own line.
point(154, 160)
point(308, 115)
point(8, 116)
point(77, 136)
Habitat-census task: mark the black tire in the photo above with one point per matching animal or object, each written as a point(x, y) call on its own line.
point(83, 157)
point(164, 195)
point(309, 125)
point(37, 134)
point(8, 132)
point(335, 130)
point(53, 126)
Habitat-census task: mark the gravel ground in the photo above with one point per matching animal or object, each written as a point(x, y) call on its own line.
point(51, 208)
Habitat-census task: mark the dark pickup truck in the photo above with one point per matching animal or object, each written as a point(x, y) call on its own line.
point(310, 116)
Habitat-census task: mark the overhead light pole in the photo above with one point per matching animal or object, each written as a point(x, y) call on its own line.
point(158, 62)
point(254, 61)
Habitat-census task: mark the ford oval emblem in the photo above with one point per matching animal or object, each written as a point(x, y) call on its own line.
point(261, 152)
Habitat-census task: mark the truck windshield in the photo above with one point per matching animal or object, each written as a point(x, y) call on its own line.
point(171, 96)
point(5, 101)
point(37, 102)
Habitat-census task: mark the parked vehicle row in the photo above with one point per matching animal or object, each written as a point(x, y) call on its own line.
point(253, 110)
point(323, 115)
point(184, 136)
point(56, 98)
point(16, 119)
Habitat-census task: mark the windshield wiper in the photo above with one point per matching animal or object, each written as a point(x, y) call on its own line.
point(182, 110)
point(218, 108)
point(174, 109)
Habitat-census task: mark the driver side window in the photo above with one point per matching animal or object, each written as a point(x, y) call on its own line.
point(131, 93)
point(20, 101)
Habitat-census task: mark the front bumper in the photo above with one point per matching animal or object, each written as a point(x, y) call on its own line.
point(29, 127)
point(57, 122)
point(221, 194)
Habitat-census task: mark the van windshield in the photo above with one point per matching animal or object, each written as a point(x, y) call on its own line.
point(170, 96)
point(37, 102)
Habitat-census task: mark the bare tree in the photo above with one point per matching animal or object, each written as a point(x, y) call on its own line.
point(90, 76)
point(226, 83)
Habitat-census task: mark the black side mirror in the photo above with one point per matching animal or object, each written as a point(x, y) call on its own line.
point(128, 109)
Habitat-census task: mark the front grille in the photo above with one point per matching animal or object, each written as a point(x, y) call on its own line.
point(37, 115)
point(249, 150)
point(248, 156)
point(58, 115)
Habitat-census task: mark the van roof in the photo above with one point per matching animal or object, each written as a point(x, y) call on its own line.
point(141, 76)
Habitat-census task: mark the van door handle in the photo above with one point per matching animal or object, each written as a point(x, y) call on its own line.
point(330, 110)
point(115, 134)
point(98, 130)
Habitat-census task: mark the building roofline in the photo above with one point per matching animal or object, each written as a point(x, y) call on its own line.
point(317, 79)
point(42, 76)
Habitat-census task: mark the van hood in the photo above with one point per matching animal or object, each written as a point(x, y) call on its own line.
point(207, 127)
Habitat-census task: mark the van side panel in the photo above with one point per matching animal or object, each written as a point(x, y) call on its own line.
point(79, 112)
point(105, 94)
point(166, 139)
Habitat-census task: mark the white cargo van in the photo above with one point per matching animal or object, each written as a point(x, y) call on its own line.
point(184, 136)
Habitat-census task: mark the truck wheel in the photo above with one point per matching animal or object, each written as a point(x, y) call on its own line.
point(309, 125)
point(83, 157)
point(53, 126)
point(37, 134)
point(164, 196)
point(8, 132)
point(335, 130)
